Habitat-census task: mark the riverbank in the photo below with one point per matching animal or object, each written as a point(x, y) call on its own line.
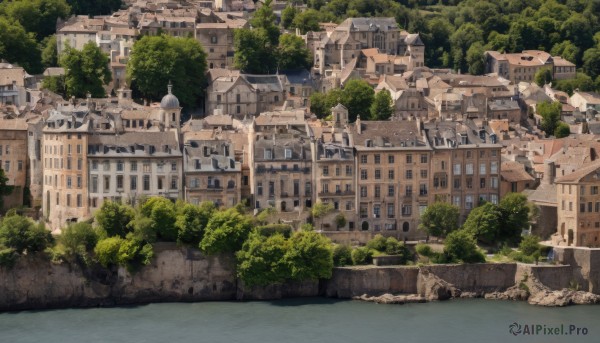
point(186, 275)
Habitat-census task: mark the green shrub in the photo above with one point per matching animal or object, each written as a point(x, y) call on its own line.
point(271, 229)
point(529, 245)
point(340, 220)
point(78, 240)
point(460, 245)
point(107, 251)
point(261, 259)
point(342, 255)
point(377, 243)
point(134, 253)
point(22, 234)
point(8, 257)
point(362, 255)
point(309, 256)
point(521, 257)
point(441, 258)
point(226, 231)
point(424, 250)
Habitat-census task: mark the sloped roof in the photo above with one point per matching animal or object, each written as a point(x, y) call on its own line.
point(581, 173)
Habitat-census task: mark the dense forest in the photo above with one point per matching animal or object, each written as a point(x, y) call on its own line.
point(455, 32)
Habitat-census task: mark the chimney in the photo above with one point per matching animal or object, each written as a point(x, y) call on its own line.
point(549, 173)
point(358, 125)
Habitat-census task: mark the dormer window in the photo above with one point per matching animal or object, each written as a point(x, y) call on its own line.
point(198, 165)
point(288, 153)
point(268, 154)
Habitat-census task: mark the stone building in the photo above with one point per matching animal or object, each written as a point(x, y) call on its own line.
point(281, 175)
point(13, 159)
point(518, 67)
point(334, 165)
point(578, 209)
point(215, 32)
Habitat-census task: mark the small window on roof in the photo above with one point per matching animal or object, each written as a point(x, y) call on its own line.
point(288, 153)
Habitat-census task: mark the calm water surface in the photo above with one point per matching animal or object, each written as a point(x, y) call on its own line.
point(299, 320)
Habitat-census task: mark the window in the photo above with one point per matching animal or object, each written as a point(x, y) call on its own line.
point(377, 159)
point(271, 188)
point(423, 158)
point(94, 184)
point(146, 182)
point(79, 149)
point(173, 166)
point(377, 211)
point(79, 200)
point(391, 210)
point(68, 182)
point(423, 189)
point(390, 190)
point(457, 169)
point(391, 174)
point(296, 187)
point(268, 154)
point(456, 183)
point(469, 169)
point(363, 174)
point(326, 171)
point(146, 167)
point(307, 189)
point(106, 183)
point(348, 170)
point(423, 173)
point(406, 210)
point(482, 182)
point(456, 200)
point(288, 153)
point(469, 202)
point(582, 207)
point(79, 164)
point(79, 179)
point(494, 153)
point(133, 182)
point(409, 174)
point(133, 166)
point(494, 167)
point(363, 159)
point(408, 158)
point(597, 208)
point(482, 169)
point(494, 182)
point(348, 205)
point(377, 191)
point(106, 166)
point(94, 165)
point(7, 166)
point(68, 200)
point(390, 159)
point(363, 191)
point(337, 171)
point(594, 190)
point(20, 165)
point(469, 182)
point(259, 188)
point(119, 182)
point(582, 190)
point(174, 182)
point(159, 182)
point(68, 163)
point(120, 166)
point(213, 39)
point(408, 191)
point(377, 174)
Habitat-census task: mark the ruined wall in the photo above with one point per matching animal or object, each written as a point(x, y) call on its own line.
point(554, 277)
point(585, 263)
point(483, 277)
point(355, 281)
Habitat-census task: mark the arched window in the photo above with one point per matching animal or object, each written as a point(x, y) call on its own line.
point(365, 226)
point(405, 227)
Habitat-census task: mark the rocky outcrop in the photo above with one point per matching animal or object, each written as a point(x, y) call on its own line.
point(432, 287)
point(392, 299)
point(513, 293)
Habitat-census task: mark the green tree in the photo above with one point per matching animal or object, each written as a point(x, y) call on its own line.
point(319, 105)
point(463, 38)
point(307, 21)
point(157, 60)
point(191, 221)
point(357, 96)
point(263, 20)
point(55, 84)
point(261, 260)
point(49, 52)
point(226, 231)
point(36, 16)
point(461, 246)
point(23, 235)
point(113, 218)
point(439, 219)
point(310, 256)
point(566, 50)
point(340, 220)
point(78, 240)
point(162, 212)
point(362, 255)
point(107, 251)
point(515, 217)
point(475, 59)
point(134, 253)
point(550, 113)
point(382, 107)
point(86, 71)
point(530, 244)
point(591, 62)
point(320, 210)
point(287, 16)
point(95, 7)
point(342, 255)
point(543, 76)
point(254, 53)
point(293, 53)
point(581, 81)
point(377, 243)
point(562, 130)
point(18, 46)
point(484, 224)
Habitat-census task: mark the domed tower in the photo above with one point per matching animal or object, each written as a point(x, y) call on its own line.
point(170, 110)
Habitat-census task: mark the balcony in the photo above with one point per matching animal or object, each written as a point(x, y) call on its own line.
point(338, 193)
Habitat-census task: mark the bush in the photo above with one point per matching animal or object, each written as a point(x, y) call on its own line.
point(529, 245)
point(134, 253)
point(22, 234)
point(521, 257)
point(78, 240)
point(460, 245)
point(113, 217)
point(340, 220)
point(261, 259)
point(191, 222)
point(162, 212)
point(424, 250)
point(377, 243)
point(342, 255)
point(271, 229)
point(107, 251)
point(226, 231)
point(309, 256)
point(362, 255)
point(8, 257)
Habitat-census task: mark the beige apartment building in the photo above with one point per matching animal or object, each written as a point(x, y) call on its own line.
point(517, 67)
point(65, 140)
point(13, 159)
point(578, 208)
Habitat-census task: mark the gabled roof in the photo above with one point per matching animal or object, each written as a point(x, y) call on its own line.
point(592, 168)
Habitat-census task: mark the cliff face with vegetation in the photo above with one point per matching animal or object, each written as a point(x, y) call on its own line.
point(180, 274)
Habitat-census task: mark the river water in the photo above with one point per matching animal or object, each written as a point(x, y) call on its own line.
point(304, 320)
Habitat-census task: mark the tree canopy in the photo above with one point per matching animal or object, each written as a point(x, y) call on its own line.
point(550, 113)
point(86, 71)
point(439, 219)
point(157, 60)
point(382, 106)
